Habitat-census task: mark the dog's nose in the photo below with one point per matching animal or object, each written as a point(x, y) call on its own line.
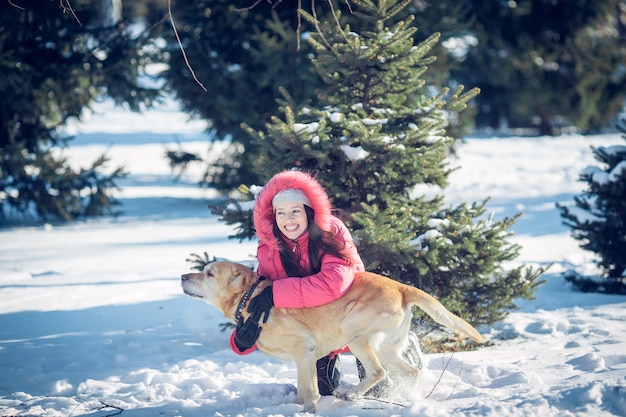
point(184, 277)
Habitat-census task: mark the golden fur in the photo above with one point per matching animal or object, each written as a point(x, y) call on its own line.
point(372, 319)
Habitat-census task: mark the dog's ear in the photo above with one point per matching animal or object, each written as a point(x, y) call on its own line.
point(240, 275)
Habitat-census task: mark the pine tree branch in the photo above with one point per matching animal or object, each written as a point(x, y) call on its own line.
point(336, 17)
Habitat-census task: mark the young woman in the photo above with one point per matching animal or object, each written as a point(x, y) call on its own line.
point(306, 251)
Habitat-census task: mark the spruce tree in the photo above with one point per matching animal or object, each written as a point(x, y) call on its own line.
point(379, 135)
point(241, 54)
point(598, 219)
point(546, 63)
point(55, 61)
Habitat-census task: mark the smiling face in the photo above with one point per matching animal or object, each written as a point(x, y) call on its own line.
point(291, 219)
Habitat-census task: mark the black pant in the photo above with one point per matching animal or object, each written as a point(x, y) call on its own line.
point(327, 374)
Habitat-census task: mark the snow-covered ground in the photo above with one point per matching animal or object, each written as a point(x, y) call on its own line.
point(93, 320)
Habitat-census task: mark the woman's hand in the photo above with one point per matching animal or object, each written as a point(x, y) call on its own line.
point(246, 333)
point(261, 305)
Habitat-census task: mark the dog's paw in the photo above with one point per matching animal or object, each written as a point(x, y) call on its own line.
point(346, 394)
point(310, 408)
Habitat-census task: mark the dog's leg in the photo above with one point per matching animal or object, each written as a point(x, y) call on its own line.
point(402, 374)
point(307, 393)
point(301, 383)
point(411, 372)
point(403, 377)
point(363, 349)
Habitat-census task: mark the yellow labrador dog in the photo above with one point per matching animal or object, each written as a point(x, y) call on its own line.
point(372, 319)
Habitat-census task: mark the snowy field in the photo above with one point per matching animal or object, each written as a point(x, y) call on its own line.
point(93, 320)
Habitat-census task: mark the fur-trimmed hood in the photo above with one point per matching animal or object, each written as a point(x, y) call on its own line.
point(264, 212)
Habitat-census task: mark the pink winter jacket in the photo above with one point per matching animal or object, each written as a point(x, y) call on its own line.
point(335, 276)
point(331, 282)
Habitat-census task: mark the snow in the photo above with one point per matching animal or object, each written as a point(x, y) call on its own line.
point(601, 177)
point(93, 320)
point(354, 153)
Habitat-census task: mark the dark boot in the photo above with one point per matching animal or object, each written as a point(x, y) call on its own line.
point(328, 374)
point(414, 353)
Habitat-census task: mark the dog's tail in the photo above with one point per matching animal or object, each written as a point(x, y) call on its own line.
point(440, 314)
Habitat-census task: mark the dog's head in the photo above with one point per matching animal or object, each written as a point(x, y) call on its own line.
point(221, 284)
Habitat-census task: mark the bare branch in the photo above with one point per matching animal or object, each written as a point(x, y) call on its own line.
point(299, 28)
point(318, 28)
point(69, 8)
point(441, 375)
point(458, 378)
point(180, 44)
point(104, 406)
point(334, 13)
point(252, 6)
point(15, 5)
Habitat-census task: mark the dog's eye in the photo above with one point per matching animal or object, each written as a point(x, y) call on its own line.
point(209, 273)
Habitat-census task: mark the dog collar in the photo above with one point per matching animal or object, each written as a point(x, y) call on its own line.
point(245, 299)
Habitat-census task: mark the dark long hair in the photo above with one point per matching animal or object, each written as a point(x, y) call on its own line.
point(321, 242)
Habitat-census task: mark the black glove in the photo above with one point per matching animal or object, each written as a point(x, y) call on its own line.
point(261, 305)
point(246, 334)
